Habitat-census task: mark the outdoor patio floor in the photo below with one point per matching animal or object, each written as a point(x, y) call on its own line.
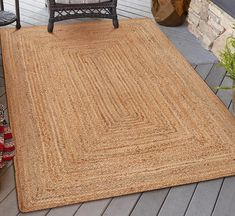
point(211, 198)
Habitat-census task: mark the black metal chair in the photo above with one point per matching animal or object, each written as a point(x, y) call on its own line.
point(7, 18)
point(71, 9)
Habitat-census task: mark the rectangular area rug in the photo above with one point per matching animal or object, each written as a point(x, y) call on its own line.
point(98, 112)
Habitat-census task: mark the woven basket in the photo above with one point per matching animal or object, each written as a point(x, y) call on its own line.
point(170, 12)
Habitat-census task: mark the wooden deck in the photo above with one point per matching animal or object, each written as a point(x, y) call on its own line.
point(212, 198)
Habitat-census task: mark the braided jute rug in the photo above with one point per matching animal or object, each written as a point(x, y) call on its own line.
point(98, 112)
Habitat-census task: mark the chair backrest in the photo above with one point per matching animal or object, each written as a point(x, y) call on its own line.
point(72, 9)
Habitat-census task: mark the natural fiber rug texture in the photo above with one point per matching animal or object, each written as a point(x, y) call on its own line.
point(98, 112)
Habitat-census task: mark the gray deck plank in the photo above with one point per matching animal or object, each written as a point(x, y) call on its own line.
point(204, 198)
point(65, 210)
point(3, 100)
point(4, 169)
point(134, 11)
point(225, 96)
point(8, 207)
point(225, 205)
point(7, 183)
point(1, 70)
point(2, 91)
point(215, 77)
point(121, 206)
point(203, 70)
point(25, 8)
point(231, 108)
point(36, 213)
point(177, 200)
point(2, 82)
point(188, 45)
point(150, 203)
point(94, 208)
point(141, 4)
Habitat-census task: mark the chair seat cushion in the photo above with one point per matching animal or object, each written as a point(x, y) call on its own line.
point(80, 1)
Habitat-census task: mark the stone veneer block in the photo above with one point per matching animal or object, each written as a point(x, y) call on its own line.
point(210, 24)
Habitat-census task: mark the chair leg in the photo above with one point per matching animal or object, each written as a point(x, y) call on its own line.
point(50, 26)
point(18, 25)
point(115, 22)
point(115, 17)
